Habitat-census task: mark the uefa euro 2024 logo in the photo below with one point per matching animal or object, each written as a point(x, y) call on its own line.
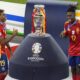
point(36, 49)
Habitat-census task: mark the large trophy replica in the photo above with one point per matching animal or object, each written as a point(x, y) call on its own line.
point(39, 57)
point(39, 19)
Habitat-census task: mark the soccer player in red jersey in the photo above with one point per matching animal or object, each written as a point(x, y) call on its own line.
point(4, 42)
point(72, 31)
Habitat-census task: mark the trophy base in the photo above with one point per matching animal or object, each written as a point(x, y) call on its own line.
point(39, 58)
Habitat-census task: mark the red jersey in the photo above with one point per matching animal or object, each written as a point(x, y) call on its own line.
point(72, 31)
point(2, 35)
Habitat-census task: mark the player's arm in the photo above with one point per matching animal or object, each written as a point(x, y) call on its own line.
point(64, 33)
point(7, 40)
point(15, 32)
point(1, 39)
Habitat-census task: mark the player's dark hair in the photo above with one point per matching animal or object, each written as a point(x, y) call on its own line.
point(71, 8)
point(1, 11)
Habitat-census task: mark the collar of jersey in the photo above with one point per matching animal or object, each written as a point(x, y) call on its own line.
point(70, 25)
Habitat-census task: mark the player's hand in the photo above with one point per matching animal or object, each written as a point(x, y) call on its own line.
point(15, 32)
point(62, 35)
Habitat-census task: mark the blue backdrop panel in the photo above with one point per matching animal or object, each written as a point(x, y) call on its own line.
point(56, 16)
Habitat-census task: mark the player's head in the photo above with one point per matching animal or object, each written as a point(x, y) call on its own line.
point(71, 12)
point(2, 16)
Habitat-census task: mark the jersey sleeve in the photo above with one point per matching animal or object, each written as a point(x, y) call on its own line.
point(2, 32)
